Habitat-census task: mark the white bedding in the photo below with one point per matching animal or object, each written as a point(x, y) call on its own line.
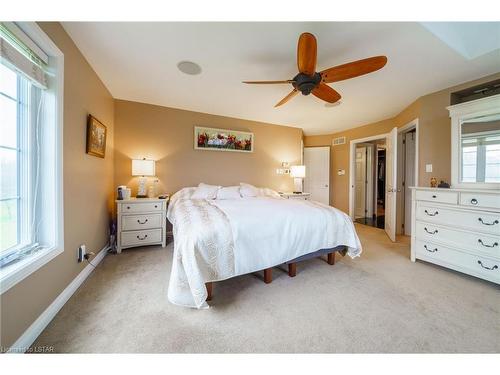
point(218, 239)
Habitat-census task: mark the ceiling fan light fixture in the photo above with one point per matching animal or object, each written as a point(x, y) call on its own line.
point(189, 67)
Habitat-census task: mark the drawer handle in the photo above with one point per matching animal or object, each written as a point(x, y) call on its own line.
point(128, 207)
point(143, 222)
point(482, 243)
point(473, 201)
point(433, 232)
point(493, 223)
point(142, 238)
point(429, 250)
point(434, 214)
point(487, 268)
point(156, 206)
point(434, 196)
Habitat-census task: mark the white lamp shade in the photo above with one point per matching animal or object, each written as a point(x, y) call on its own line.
point(143, 167)
point(298, 171)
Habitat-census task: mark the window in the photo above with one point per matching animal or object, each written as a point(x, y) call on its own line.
point(481, 158)
point(30, 152)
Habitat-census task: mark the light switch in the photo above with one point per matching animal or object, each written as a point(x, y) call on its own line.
point(428, 168)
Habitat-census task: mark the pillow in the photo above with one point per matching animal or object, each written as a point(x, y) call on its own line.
point(266, 192)
point(204, 191)
point(229, 192)
point(247, 190)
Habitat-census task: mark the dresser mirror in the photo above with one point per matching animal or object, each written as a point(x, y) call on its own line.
point(480, 150)
point(475, 144)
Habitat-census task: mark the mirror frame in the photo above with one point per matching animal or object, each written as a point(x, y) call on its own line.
point(459, 114)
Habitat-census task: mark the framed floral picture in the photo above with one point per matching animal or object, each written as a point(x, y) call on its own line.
point(96, 137)
point(222, 140)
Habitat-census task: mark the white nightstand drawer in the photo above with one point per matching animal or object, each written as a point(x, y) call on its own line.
point(438, 196)
point(480, 200)
point(141, 237)
point(137, 207)
point(140, 222)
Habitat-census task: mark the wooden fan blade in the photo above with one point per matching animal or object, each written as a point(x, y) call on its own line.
point(326, 93)
point(353, 69)
point(268, 82)
point(306, 54)
point(287, 98)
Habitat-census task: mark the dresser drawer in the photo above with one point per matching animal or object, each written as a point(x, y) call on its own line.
point(486, 222)
point(480, 266)
point(480, 200)
point(139, 222)
point(141, 237)
point(474, 242)
point(439, 196)
point(141, 207)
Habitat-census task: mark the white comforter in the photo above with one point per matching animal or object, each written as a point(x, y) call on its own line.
point(218, 239)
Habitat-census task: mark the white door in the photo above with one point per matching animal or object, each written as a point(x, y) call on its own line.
point(360, 186)
point(391, 168)
point(317, 180)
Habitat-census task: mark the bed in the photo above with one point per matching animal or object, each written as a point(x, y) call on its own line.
point(215, 240)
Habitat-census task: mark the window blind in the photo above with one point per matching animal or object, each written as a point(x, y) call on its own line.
point(18, 56)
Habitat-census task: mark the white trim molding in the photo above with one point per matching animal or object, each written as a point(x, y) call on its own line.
point(29, 336)
point(460, 113)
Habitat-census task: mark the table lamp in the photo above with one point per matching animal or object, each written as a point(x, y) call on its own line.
point(298, 172)
point(142, 168)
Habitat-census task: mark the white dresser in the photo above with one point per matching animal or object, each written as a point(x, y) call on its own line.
point(141, 221)
point(457, 229)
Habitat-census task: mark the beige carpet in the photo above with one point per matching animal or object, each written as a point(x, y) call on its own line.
point(380, 302)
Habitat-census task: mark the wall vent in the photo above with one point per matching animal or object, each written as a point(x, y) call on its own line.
point(338, 141)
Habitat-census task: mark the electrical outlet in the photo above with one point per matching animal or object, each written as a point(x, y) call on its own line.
point(82, 250)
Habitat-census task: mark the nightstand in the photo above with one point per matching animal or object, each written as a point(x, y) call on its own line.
point(303, 196)
point(141, 221)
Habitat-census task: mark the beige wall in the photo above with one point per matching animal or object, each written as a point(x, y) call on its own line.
point(434, 140)
point(88, 185)
point(167, 135)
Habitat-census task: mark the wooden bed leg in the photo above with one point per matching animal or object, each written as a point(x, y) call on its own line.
point(268, 275)
point(292, 269)
point(331, 258)
point(209, 290)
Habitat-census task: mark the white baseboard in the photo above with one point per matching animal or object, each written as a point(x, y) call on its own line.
point(29, 336)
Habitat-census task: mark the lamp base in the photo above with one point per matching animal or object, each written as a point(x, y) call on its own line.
point(297, 188)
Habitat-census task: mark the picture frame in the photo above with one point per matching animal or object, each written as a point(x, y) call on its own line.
point(214, 139)
point(96, 137)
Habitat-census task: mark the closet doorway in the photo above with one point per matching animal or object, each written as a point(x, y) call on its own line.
point(382, 170)
point(369, 200)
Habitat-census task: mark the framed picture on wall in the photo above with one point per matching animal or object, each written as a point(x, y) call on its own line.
point(222, 140)
point(96, 137)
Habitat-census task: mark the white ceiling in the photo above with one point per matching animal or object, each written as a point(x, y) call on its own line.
point(137, 61)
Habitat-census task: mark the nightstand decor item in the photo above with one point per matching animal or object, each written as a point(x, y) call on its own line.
point(96, 137)
point(143, 168)
point(298, 172)
point(141, 222)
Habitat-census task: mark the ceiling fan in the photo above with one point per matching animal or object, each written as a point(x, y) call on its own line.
point(309, 81)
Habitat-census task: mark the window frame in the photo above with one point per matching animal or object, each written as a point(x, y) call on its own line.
point(12, 274)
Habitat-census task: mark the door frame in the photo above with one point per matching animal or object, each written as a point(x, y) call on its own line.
point(400, 211)
point(352, 166)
